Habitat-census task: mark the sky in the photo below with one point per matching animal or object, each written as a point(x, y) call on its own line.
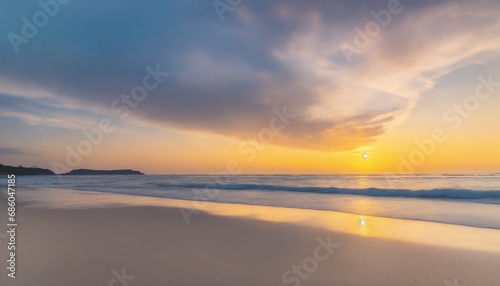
point(242, 86)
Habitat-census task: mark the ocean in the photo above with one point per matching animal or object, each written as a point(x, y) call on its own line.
point(469, 200)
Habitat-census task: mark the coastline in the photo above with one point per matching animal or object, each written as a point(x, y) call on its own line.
point(228, 244)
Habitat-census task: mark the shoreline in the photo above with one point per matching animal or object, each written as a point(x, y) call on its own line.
point(89, 246)
point(415, 231)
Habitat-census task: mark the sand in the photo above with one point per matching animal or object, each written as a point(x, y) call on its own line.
point(152, 245)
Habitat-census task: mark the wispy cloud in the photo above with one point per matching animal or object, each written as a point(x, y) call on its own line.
point(228, 76)
point(46, 112)
point(8, 151)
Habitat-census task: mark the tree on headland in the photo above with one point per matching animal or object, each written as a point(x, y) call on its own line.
point(26, 171)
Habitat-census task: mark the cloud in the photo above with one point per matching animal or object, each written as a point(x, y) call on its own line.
point(46, 111)
point(8, 151)
point(226, 77)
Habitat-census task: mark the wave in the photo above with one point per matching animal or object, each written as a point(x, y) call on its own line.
point(464, 194)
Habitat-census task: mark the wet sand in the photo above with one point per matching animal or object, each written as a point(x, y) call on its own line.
point(153, 245)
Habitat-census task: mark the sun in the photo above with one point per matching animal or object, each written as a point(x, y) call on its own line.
point(365, 156)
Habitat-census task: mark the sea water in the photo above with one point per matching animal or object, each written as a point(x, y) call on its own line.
point(471, 200)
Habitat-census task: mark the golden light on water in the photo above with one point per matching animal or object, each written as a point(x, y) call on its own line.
point(362, 221)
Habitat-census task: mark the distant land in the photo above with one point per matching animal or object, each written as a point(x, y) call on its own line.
point(34, 171)
point(26, 171)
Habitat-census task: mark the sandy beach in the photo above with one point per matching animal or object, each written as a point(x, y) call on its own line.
point(250, 143)
point(153, 245)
